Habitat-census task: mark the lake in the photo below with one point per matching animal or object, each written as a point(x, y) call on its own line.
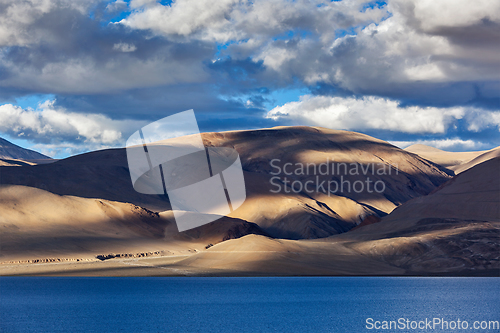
point(253, 304)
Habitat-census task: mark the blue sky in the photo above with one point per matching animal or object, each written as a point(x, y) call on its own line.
point(79, 76)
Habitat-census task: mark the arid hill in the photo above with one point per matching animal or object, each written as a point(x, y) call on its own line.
point(441, 225)
point(490, 154)
point(295, 154)
point(36, 225)
point(8, 150)
point(291, 213)
point(454, 231)
point(455, 161)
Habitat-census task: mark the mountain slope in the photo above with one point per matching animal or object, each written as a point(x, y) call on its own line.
point(9, 150)
point(287, 214)
point(456, 161)
point(490, 154)
point(318, 212)
point(454, 229)
point(36, 224)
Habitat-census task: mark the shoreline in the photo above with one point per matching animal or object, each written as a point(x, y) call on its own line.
point(166, 266)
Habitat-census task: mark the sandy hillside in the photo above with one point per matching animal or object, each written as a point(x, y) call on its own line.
point(456, 161)
point(453, 231)
point(318, 213)
point(36, 224)
point(294, 215)
point(479, 159)
point(102, 175)
point(455, 228)
point(14, 162)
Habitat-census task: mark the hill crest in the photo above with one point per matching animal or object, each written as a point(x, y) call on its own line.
point(8, 150)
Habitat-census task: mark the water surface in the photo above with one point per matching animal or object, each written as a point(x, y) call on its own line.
point(274, 304)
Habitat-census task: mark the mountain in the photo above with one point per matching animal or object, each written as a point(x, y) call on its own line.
point(288, 214)
point(490, 154)
point(453, 231)
point(456, 161)
point(320, 213)
point(38, 225)
point(84, 209)
point(9, 150)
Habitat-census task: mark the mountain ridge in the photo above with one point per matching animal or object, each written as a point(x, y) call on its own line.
point(66, 212)
point(8, 150)
point(288, 214)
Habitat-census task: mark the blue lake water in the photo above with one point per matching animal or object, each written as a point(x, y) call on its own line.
point(263, 304)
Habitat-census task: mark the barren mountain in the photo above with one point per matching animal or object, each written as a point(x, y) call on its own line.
point(293, 213)
point(490, 154)
point(301, 156)
point(36, 225)
point(9, 150)
point(452, 230)
point(456, 161)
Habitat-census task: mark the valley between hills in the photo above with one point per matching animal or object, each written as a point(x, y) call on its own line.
point(437, 215)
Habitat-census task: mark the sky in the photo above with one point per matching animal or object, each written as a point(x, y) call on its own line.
point(77, 76)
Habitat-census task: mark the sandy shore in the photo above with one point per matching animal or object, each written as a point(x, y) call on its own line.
point(168, 266)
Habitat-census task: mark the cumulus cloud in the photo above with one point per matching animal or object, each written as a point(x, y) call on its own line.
point(183, 17)
point(440, 56)
point(478, 120)
point(431, 15)
point(55, 126)
point(233, 20)
point(17, 19)
point(404, 42)
point(367, 113)
point(453, 144)
point(432, 52)
point(54, 46)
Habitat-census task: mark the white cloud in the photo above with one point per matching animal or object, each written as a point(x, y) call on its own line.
point(116, 6)
point(124, 47)
point(183, 17)
point(454, 144)
point(431, 14)
point(423, 51)
point(226, 20)
point(423, 41)
point(366, 113)
point(17, 16)
point(479, 120)
point(60, 128)
point(85, 75)
point(59, 49)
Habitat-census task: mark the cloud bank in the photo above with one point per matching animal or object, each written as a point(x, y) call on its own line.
point(57, 128)
point(403, 70)
point(377, 113)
